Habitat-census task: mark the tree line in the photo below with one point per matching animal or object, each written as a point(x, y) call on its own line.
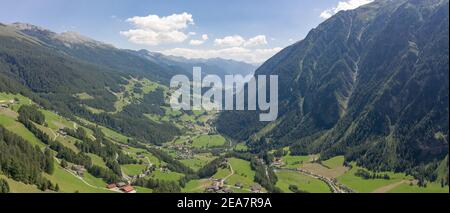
point(24, 163)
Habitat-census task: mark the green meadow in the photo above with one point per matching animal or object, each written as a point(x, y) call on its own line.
point(19, 187)
point(334, 162)
point(16, 127)
point(294, 162)
point(196, 186)
point(168, 176)
point(68, 182)
point(96, 160)
point(303, 182)
point(133, 169)
point(360, 184)
point(243, 173)
point(413, 188)
point(198, 161)
point(208, 141)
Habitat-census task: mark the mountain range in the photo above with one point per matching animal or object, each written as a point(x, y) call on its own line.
point(53, 68)
point(371, 84)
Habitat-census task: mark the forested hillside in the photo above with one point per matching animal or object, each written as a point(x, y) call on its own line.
point(371, 84)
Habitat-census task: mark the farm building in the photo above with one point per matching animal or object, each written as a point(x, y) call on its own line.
point(256, 188)
point(121, 184)
point(111, 186)
point(79, 170)
point(128, 189)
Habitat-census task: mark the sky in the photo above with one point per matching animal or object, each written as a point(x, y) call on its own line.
point(244, 30)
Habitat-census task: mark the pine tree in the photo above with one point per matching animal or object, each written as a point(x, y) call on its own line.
point(49, 162)
point(4, 186)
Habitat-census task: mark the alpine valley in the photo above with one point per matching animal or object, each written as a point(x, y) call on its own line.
point(363, 107)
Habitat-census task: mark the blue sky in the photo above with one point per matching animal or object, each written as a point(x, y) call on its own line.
point(248, 30)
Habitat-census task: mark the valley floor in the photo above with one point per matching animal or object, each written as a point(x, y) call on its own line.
point(198, 146)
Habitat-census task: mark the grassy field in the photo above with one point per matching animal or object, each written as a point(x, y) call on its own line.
point(16, 127)
point(98, 182)
point(19, 187)
point(198, 161)
point(208, 141)
point(67, 141)
point(153, 117)
point(133, 169)
point(83, 96)
point(294, 162)
point(19, 100)
point(303, 182)
point(196, 186)
point(96, 160)
point(221, 173)
point(133, 151)
point(142, 189)
point(242, 173)
point(334, 162)
point(55, 121)
point(193, 163)
point(70, 183)
point(169, 176)
point(109, 133)
point(369, 185)
point(240, 147)
point(431, 188)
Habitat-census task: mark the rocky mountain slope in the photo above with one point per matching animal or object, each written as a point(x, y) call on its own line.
point(370, 83)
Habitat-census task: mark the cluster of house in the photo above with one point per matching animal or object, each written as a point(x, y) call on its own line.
point(218, 187)
point(183, 152)
point(122, 186)
point(62, 132)
point(189, 125)
point(6, 104)
point(79, 170)
point(147, 172)
point(254, 188)
point(123, 146)
point(278, 162)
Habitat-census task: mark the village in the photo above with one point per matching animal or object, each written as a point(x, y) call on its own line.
point(220, 186)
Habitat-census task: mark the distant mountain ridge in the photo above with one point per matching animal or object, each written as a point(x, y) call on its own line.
point(100, 53)
point(217, 66)
point(54, 68)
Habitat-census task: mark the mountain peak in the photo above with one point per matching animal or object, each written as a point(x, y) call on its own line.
point(68, 38)
point(71, 37)
point(32, 28)
point(76, 38)
point(26, 26)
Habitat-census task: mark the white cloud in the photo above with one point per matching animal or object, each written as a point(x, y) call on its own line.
point(256, 41)
point(195, 42)
point(155, 30)
point(254, 56)
point(344, 5)
point(238, 41)
point(230, 41)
